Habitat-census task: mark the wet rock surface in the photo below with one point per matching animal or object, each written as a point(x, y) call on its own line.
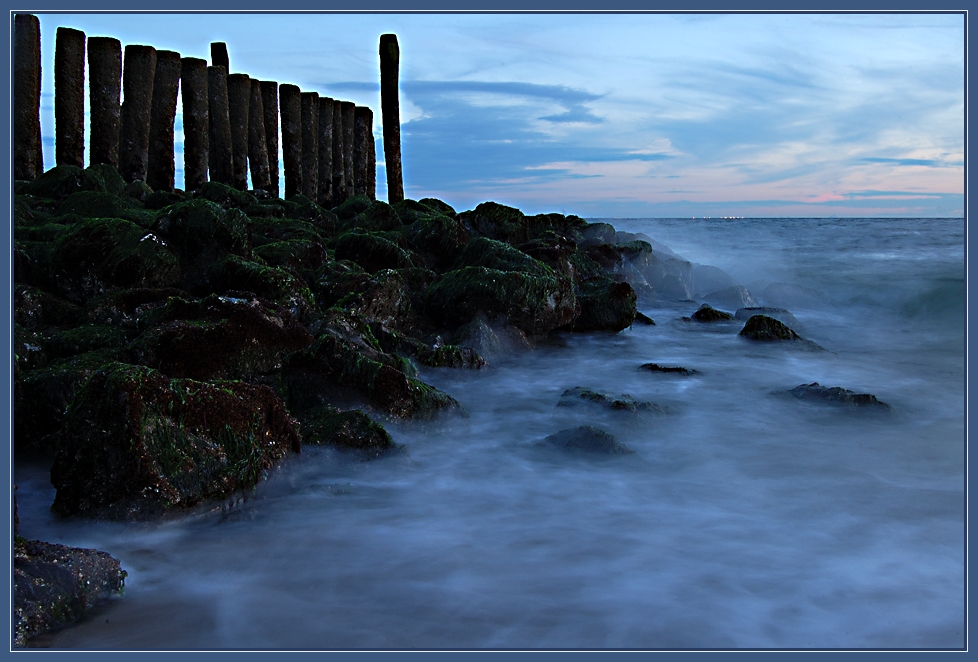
point(588, 440)
point(836, 395)
point(677, 370)
point(580, 396)
point(767, 329)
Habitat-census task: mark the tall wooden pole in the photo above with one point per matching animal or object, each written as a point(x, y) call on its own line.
point(69, 97)
point(28, 157)
point(105, 87)
point(390, 58)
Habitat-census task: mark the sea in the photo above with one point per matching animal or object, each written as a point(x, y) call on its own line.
point(745, 518)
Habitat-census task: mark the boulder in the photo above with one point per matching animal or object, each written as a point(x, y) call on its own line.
point(225, 196)
point(137, 444)
point(55, 586)
point(35, 309)
point(438, 238)
point(579, 396)
point(764, 328)
point(606, 305)
point(350, 430)
point(780, 314)
point(707, 313)
point(678, 370)
point(277, 284)
point(492, 254)
point(373, 251)
point(587, 439)
point(496, 221)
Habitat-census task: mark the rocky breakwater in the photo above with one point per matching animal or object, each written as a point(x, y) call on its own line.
point(172, 347)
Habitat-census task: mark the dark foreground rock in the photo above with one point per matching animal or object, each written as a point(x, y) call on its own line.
point(707, 313)
point(579, 396)
point(764, 328)
point(587, 439)
point(836, 395)
point(137, 444)
point(350, 430)
point(781, 314)
point(55, 585)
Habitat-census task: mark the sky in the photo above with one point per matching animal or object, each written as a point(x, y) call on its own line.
point(621, 115)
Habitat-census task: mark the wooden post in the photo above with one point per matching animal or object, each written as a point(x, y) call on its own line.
point(269, 102)
point(371, 164)
point(291, 108)
point(219, 56)
point(69, 97)
point(363, 120)
point(390, 57)
point(340, 193)
point(28, 157)
point(348, 174)
point(105, 85)
point(219, 138)
point(257, 147)
point(310, 144)
point(139, 70)
point(325, 196)
point(166, 85)
point(239, 105)
point(196, 121)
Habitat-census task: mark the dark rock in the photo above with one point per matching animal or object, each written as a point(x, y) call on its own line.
point(764, 328)
point(276, 284)
point(137, 444)
point(305, 257)
point(534, 304)
point(438, 206)
point(836, 395)
point(492, 254)
point(373, 252)
point(29, 348)
point(602, 232)
point(225, 196)
point(496, 221)
point(138, 190)
point(163, 199)
point(94, 204)
point(606, 305)
point(555, 251)
point(85, 338)
point(655, 367)
point(440, 239)
point(351, 430)
point(377, 216)
point(126, 307)
point(488, 341)
point(578, 396)
point(36, 309)
point(707, 313)
point(587, 439)
point(642, 318)
point(220, 338)
point(55, 586)
point(780, 314)
point(63, 180)
point(352, 207)
point(607, 256)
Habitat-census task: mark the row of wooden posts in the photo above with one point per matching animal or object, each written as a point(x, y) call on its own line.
point(230, 121)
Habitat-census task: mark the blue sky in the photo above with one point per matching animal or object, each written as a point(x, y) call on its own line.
point(624, 115)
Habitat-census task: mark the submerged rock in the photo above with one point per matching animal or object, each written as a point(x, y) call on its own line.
point(55, 585)
point(578, 396)
point(137, 444)
point(350, 430)
point(836, 395)
point(707, 313)
point(782, 315)
point(587, 439)
point(655, 367)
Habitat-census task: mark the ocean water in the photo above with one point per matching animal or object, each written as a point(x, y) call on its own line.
point(744, 518)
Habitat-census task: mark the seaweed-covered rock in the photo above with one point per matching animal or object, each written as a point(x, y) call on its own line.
point(337, 364)
point(277, 284)
point(305, 257)
point(201, 233)
point(225, 196)
point(602, 232)
point(587, 439)
point(438, 206)
point(707, 313)
point(101, 254)
point(55, 585)
point(373, 252)
point(606, 305)
point(61, 181)
point(836, 395)
point(126, 307)
point(579, 396)
point(764, 328)
point(484, 252)
point(85, 338)
point(36, 309)
point(378, 216)
point(496, 221)
point(137, 444)
point(555, 251)
point(438, 238)
point(162, 199)
point(385, 298)
point(94, 204)
point(350, 429)
point(137, 191)
point(351, 207)
point(220, 338)
point(488, 341)
point(301, 208)
point(534, 304)
point(781, 314)
point(29, 348)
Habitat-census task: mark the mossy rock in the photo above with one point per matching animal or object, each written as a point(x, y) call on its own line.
point(277, 284)
point(110, 253)
point(137, 444)
point(534, 304)
point(36, 309)
point(579, 396)
point(438, 237)
point(219, 338)
point(304, 256)
point(603, 232)
point(587, 439)
point(128, 308)
point(606, 305)
point(383, 298)
point(225, 196)
point(107, 178)
point(351, 430)
point(63, 180)
point(569, 227)
point(438, 206)
point(266, 230)
point(86, 338)
point(351, 207)
point(30, 349)
point(301, 208)
point(94, 204)
point(378, 216)
point(31, 263)
point(162, 199)
point(410, 211)
point(373, 252)
point(337, 361)
point(707, 313)
point(767, 329)
point(336, 280)
point(484, 252)
point(496, 221)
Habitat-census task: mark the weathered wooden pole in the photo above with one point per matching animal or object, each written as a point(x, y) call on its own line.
point(257, 145)
point(349, 109)
point(139, 70)
point(363, 120)
point(340, 193)
point(166, 85)
point(290, 107)
point(105, 85)
point(310, 144)
point(196, 122)
point(219, 56)
point(325, 195)
point(239, 105)
point(390, 58)
point(69, 97)
point(371, 164)
point(269, 101)
point(28, 157)
point(219, 136)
